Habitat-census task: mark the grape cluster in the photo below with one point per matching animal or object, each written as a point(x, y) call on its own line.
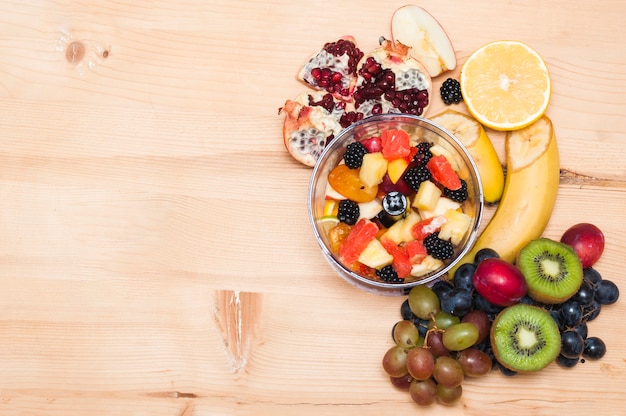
point(444, 334)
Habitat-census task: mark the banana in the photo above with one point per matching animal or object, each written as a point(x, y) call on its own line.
point(530, 191)
point(472, 134)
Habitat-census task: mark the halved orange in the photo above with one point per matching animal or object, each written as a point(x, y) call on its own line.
point(506, 85)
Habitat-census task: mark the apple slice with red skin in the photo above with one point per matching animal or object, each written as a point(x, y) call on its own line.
point(413, 26)
point(499, 282)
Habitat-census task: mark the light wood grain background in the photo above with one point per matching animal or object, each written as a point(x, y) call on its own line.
point(155, 253)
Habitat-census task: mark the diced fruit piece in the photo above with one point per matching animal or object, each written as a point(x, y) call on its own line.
point(426, 266)
point(416, 251)
point(396, 144)
point(427, 226)
point(360, 235)
point(346, 181)
point(330, 207)
point(374, 255)
point(370, 209)
point(373, 144)
point(441, 207)
point(456, 226)
point(373, 168)
point(331, 193)
point(443, 172)
point(427, 196)
point(400, 231)
point(337, 234)
point(387, 186)
point(439, 150)
point(415, 27)
point(401, 261)
point(396, 168)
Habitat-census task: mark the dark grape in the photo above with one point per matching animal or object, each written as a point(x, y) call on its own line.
point(405, 311)
point(570, 313)
point(585, 294)
point(475, 363)
point(527, 300)
point(456, 302)
point(572, 344)
point(592, 276)
point(485, 253)
point(607, 292)
point(463, 276)
point(403, 382)
point(481, 321)
point(506, 371)
point(448, 372)
point(582, 329)
point(556, 315)
point(594, 348)
point(483, 304)
point(424, 392)
point(420, 363)
point(565, 362)
point(442, 286)
point(592, 311)
point(422, 326)
point(449, 395)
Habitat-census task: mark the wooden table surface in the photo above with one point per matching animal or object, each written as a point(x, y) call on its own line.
point(156, 257)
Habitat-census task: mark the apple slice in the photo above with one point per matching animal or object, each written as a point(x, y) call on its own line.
point(415, 27)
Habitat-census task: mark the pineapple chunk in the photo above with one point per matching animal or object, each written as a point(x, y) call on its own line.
point(400, 231)
point(429, 264)
point(438, 149)
point(455, 227)
point(373, 168)
point(396, 169)
point(427, 196)
point(374, 255)
point(441, 207)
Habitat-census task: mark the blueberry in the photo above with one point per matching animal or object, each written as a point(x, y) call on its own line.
point(606, 292)
point(485, 253)
point(463, 276)
point(571, 313)
point(594, 348)
point(457, 301)
point(572, 344)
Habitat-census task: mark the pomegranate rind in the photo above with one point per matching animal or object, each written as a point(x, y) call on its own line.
point(302, 121)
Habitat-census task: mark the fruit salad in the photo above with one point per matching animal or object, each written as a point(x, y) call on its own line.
point(396, 207)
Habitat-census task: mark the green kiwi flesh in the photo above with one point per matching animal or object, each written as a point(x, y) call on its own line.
point(525, 338)
point(552, 270)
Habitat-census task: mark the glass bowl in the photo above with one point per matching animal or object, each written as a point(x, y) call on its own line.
point(320, 192)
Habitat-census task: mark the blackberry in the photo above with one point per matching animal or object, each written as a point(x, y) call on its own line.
point(354, 155)
point(423, 154)
point(458, 195)
point(451, 91)
point(389, 275)
point(438, 248)
point(415, 176)
point(348, 211)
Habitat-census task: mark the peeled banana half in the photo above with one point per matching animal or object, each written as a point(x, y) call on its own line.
point(529, 196)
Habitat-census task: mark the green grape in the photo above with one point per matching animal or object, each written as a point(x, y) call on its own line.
point(449, 395)
point(423, 392)
point(423, 302)
point(394, 361)
point(474, 362)
point(420, 363)
point(405, 334)
point(443, 320)
point(458, 337)
point(448, 372)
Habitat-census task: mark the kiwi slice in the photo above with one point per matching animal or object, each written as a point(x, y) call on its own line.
point(552, 270)
point(525, 338)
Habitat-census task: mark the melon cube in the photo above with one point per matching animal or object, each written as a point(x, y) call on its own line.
point(373, 168)
point(427, 196)
point(374, 255)
point(455, 227)
point(396, 168)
